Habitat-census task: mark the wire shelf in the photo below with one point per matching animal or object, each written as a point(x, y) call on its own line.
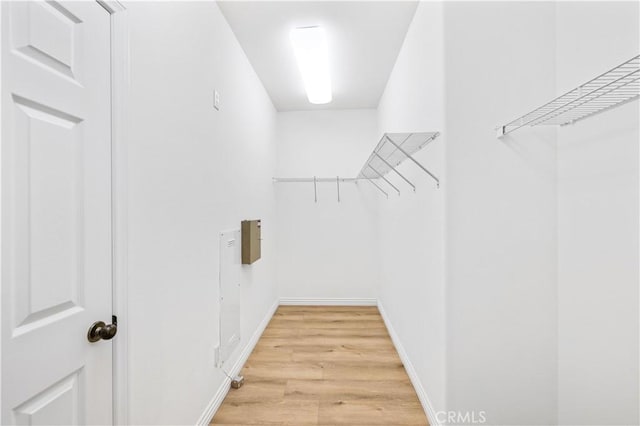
point(615, 87)
point(392, 150)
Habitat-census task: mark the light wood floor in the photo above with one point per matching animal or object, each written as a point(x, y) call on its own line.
point(323, 366)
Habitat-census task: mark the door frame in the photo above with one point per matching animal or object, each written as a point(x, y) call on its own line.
point(119, 93)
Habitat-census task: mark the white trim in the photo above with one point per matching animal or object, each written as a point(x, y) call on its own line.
point(408, 366)
point(215, 403)
point(3, 5)
point(119, 90)
point(336, 301)
point(222, 391)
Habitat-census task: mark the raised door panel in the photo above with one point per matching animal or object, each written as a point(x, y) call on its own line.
point(59, 404)
point(47, 33)
point(49, 213)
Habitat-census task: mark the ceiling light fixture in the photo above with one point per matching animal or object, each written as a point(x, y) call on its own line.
point(312, 53)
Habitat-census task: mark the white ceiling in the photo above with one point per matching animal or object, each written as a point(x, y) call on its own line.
point(364, 40)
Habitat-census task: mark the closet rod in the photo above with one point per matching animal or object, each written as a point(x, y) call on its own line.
point(318, 179)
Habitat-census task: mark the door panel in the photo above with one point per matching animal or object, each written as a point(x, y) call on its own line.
point(51, 151)
point(56, 212)
point(47, 33)
point(59, 404)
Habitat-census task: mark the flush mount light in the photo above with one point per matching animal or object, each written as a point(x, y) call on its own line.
point(312, 54)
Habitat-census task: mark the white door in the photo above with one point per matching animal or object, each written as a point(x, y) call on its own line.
point(56, 213)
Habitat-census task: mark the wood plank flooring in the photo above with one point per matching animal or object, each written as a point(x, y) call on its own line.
point(323, 365)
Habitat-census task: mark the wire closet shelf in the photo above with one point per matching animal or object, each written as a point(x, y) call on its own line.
point(389, 153)
point(612, 88)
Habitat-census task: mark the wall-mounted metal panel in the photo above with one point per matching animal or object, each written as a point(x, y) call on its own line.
point(251, 239)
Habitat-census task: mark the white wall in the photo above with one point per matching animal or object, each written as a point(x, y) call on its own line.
point(193, 172)
point(598, 224)
point(411, 226)
point(325, 249)
point(474, 297)
point(501, 308)
point(494, 348)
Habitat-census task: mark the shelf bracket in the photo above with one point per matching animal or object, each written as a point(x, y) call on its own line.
point(338, 186)
point(394, 169)
point(406, 154)
point(385, 179)
point(377, 186)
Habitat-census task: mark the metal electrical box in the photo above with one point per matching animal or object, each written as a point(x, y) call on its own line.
point(251, 238)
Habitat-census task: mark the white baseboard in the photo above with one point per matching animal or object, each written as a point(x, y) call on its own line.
point(217, 399)
point(411, 372)
point(215, 403)
point(338, 301)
